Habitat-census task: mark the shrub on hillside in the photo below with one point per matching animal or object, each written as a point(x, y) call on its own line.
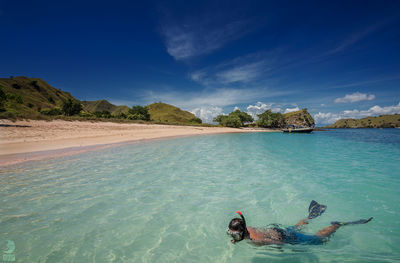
point(135, 116)
point(51, 112)
point(103, 114)
point(16, 97)
point(138, 113)
point(51, 100)
point(3, 95)
point(85, 114)
point(121, 116)
point(71, 107)
point(3, 98)
point(16, 86)
point(196, 120)
point(35, 85)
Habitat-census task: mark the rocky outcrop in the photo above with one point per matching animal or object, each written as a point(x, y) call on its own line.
point(299, 118)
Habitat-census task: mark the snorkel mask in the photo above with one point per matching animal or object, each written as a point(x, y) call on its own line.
point(237, 228)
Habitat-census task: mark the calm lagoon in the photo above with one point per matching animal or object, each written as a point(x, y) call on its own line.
point(171, 200)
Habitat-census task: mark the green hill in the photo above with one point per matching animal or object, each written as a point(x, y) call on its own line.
point(299, 118)
point(383, 121)
point(103, 105)
point(162, 112)
point(34, 98)
point(26, 97)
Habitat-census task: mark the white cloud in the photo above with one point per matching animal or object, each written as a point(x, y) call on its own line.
point(260, 107)
point(236, 108)
point(245, 69)
point(325, 118)
point(197, 75)
point(207, 114)
point(190, 39)
point(357, 96)
point(376, 110)
point(241, 73)
point(291, 109)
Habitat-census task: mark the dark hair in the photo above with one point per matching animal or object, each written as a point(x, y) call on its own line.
point(237, 224)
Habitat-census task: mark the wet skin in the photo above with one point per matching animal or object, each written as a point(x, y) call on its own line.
point(273, 237)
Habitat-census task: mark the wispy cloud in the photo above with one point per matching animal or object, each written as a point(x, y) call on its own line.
point(193, 38)
point(241, 73)
point(367, 82)
point(245, 69)
point(355, 97)
point(376, 110)
point(345, 43)
point(354, 38)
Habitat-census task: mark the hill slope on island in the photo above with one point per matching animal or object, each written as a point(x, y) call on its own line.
point(299, 118)
point(34, 98)
point(162, 112)
point(103, 105)
point(383, 121)
point(26, 97)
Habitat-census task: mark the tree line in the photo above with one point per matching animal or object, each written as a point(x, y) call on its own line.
point(237, 118)
point(72, 107)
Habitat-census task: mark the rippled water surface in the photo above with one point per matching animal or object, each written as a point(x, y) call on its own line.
point(171, 200)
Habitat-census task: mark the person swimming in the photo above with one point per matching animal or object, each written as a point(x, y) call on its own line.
point(277, 235)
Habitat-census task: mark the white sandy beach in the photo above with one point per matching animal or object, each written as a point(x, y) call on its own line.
point(23, 141)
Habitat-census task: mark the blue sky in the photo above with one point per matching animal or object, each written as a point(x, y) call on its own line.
point(336, 58)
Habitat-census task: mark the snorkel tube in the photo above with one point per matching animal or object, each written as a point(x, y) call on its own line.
point(244, 220)
point(245, 232)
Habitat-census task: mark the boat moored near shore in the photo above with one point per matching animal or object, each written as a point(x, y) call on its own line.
point(298, 129)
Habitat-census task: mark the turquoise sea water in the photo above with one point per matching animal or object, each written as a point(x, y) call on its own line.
point(171, 200)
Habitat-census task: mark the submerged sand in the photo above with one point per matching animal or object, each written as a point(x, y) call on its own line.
point(23, 141)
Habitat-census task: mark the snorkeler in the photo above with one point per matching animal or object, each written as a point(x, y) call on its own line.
point(291, 235)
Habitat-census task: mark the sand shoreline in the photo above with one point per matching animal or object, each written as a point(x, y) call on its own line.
point(32, 140)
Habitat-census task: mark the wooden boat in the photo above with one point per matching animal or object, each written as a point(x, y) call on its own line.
point(291, 129)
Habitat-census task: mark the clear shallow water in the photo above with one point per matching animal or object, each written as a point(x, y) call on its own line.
point(171, 201)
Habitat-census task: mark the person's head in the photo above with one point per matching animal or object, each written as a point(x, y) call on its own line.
point(237, 228)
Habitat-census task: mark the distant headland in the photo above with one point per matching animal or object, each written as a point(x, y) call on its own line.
point(383, 121)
